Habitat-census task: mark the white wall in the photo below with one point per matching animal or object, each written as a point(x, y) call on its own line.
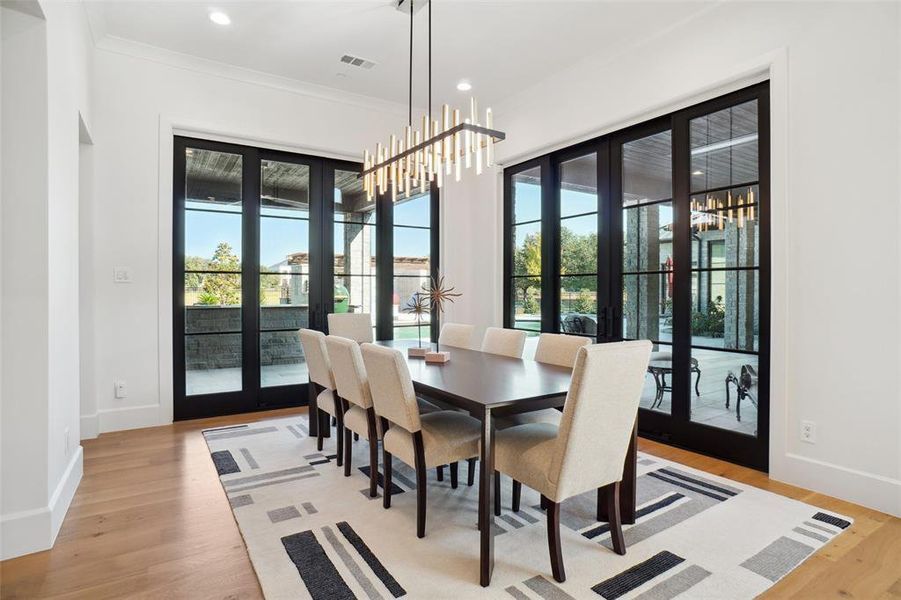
point(46, 70)
point(139, 101)
point(834, 69)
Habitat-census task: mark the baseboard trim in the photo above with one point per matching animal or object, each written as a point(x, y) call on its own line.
point(34, 530)
point(867, 489)
point(90, 426)
point(130, 417)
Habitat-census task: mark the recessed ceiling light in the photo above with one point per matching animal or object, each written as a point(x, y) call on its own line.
point(697, 172)
point(464, 86)
point(220, 18)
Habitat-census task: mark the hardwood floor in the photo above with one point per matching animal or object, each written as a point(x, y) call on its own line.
point(150, 520)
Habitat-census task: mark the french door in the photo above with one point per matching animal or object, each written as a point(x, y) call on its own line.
point(254, 262)
point(659, 232)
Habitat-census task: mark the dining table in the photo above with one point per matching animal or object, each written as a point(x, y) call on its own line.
point(489, 386)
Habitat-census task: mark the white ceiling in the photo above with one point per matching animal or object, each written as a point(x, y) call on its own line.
point(501, 47)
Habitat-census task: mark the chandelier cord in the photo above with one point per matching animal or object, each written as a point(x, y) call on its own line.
point(410, 95)
point(430, 63)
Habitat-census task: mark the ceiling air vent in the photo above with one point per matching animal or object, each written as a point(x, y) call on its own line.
point(356, 61)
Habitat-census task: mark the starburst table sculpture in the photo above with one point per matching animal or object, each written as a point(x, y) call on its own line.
point(418, 305)
point(439, 293)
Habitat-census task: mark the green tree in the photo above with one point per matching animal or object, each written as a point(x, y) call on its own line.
point(225, 287)
point(527, 261)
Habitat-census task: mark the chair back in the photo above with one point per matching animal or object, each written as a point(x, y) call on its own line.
point(391, 386)
point(599, 415)
point(351, 381)
point(316, 355)
point(354, 326)
point(558, 349)
point(456, 335)
point(507, 342)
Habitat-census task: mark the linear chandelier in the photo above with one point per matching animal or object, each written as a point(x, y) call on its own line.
point(439, 149)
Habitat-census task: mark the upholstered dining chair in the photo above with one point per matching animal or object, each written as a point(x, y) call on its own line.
point(352, 386)
point(553, 349)
point(355, 326)
point(507, 342)
point(327, 401)
point(422, 441)
point(456, 335)
point(587, 450)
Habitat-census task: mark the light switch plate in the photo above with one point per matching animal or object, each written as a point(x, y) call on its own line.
point(122, 275)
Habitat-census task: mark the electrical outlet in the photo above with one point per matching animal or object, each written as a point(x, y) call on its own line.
point(809, 432)
point(122, 275)
point(121, 389)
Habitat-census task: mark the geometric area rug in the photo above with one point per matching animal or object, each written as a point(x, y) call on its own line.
point(313, 533)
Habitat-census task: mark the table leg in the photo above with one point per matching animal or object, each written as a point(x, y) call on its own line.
point(312, 393)
point(486, 515)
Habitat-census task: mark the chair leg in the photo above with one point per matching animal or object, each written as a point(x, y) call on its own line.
point(356, 437)
point(697, 382)
point(454, 470)
point(419, 456)
point(517, 493)
point(320, 430)
point(373, 454)
point(615, 520)
point(602, 502)
point(339, 420)
point(553, 540)
point(471, 472)
point(440, 471)
point(544, 503)
point(386, 462)
point(497, 493)
point(348, 448)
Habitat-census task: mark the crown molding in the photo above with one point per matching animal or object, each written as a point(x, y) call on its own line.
point(187, 62)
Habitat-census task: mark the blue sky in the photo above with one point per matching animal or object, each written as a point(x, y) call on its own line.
point(280, 237)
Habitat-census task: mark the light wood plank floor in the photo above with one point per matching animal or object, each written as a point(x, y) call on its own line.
point(150, 521)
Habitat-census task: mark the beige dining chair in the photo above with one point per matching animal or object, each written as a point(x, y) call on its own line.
point(506, 342)
point(553, 349)
point(587, 450)
point(352, 386)
point(456, 335)
point(327, 401)
point(421, 441)
point(354, 326)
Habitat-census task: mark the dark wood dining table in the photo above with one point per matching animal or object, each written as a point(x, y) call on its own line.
point(489, 386)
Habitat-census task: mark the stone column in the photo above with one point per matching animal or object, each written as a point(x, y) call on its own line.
point(642, 253)
point(741, 293)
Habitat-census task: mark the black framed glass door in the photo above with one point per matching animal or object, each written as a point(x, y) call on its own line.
point(659, 232)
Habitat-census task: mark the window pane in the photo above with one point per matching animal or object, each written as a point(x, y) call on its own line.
point(284, 189)
point(213, 180)
point(284, 301)
point(579, 185)
point(284, 245)
point(527, 249)
point(355, 294)
point(351, 204)
point(281, 359)
point(648, 307)
point(413, 333)
point(579, 245)
point(724, 147)
point(648, 238)
point(720, 376)
point(579, 305)
point(212, 241)
point(412, 249)
point(648, 169)
point(355, 245)
point(414, 211)
point(526, 302)
point(212, 302)
point(527, 195)
point(405, 291)
point(213, 363)
point(730, 318)
point(657, 392)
